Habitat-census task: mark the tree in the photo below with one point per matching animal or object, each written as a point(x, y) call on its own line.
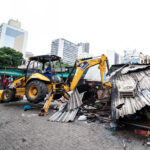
point(10, 57)
point(57, 65)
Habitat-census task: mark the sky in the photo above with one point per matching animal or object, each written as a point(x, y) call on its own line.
point(106, 24)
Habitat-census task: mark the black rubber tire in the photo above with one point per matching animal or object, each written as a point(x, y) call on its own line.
point(11, 95)
point(41, 88)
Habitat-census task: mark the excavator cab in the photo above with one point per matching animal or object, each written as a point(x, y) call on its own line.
point(45, 65)
point(40, 75)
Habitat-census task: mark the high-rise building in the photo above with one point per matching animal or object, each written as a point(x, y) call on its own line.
point(67, 50)
point(113, 57)
point(83, 50)
point(11, 35)
point(84, 47)
point(55, 46)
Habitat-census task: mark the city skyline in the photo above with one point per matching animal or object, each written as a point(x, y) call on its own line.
point(106, 25)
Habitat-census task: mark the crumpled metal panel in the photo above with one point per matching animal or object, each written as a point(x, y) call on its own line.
point(65, 116)
point(68, 111)
point(133, 68)
point(140, 76)
point(75, 100)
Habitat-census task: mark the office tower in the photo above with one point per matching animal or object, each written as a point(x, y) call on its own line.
point(65, 49)
point(11, 35)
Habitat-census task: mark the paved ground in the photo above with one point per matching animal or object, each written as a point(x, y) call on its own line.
point(21, 130)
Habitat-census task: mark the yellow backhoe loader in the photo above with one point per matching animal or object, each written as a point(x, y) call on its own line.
point(38, 81)
point(62, 88)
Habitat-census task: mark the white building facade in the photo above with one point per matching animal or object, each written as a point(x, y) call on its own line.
point(113, 57)
point(84, 47)
point(83, 50)
point(69, 51)
point(11, 35)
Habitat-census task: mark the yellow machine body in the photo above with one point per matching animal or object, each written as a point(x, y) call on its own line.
point(1, 91)
point(20, 92)
point(20, 84)
point(38, 76)
point(82, 65)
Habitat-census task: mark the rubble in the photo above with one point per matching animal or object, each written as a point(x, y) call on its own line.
point(94, 103)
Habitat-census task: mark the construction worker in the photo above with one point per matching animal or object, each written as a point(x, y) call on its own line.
point(48, 68)
point(48, 72)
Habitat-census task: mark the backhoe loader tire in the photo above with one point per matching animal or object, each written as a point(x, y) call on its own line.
point(36, 91)
point(8, 95)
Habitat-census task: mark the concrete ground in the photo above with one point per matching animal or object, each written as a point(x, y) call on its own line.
point(25, 130)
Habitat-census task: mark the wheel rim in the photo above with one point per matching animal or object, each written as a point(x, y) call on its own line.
point(33, 91)
point(6, 95)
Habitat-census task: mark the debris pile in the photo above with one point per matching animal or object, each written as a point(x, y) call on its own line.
point(93, 104)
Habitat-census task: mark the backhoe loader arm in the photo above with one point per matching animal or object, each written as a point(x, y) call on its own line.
point(82, 65)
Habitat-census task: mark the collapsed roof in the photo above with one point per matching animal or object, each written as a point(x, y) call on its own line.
point(130, 75)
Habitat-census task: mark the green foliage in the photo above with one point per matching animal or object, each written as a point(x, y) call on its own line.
point(57, 65)
point(10, 57)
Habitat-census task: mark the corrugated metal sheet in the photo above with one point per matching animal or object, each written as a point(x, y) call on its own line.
point(65, 116)
point(67, 112)
point(138, 75)
point(133, 68)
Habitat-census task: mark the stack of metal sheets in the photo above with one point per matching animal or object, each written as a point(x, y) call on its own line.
point(68, 111)
point(138, 75)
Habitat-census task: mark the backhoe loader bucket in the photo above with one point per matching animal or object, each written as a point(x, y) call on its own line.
point(1, 91)
point(68, 111)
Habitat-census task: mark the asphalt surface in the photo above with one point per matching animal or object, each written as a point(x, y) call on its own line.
point(25, 130)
